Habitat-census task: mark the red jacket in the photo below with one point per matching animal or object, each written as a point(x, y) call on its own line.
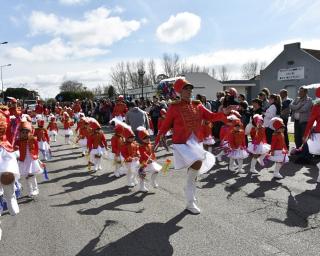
point(41, 134)
point(237, 139)
point(315, 116)
point(129, 151)
point(67, 123)
point(77, 108)
point(278, 142)
point(21, 145)
point(84, 132)
point(97, 139)
point(185, 118)
point(52, 126)
point(258, 135)
point(120, 109)
point(145, 151)
point(116, 142)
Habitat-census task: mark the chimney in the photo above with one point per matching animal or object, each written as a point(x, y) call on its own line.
point(292, 46)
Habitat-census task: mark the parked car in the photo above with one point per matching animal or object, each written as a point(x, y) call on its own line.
point(31, 104)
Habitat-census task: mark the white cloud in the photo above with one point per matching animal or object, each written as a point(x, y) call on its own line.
point(54, 50)
point(73, 2)
point(179, 28)
point(97, 28)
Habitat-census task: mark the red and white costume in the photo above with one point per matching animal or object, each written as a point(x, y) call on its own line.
point(120, 109)
point(278, 151)
point(116, 143)
point(97, 144)
point(29, 164)
point(84, 133)
point(9, 170)
point(130, 153)
point(67, 127)
point(53, 128)
point(185, 117)
point(42, 136)
point(147, 159)
point(206, 128)
point(258, 145)
point(77, 109)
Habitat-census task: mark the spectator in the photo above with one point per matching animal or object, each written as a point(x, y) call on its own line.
point(215, 104)
point(245, 115)
point(256, 107)
point(242, 98)
point(136, 117)
point(285, 113)
point(205, 102)
point(263, 97)
point(274, 110)
point(266, 91)
point(155, 113)
point(301, 108)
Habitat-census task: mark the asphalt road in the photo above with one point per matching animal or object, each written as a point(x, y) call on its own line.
point(81, 214)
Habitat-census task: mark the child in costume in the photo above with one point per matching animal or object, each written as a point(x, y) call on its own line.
point(237, 144)
point(53, 129)
point(278, 151)
point(147, 160)
point(208, 140)
point(84, 133)
point(67, 124)
point(9, 170)
point(116, 143)
point(42, 136)
point(97, 144)
point(258, 146)
point(29, 164)
point(130, 152)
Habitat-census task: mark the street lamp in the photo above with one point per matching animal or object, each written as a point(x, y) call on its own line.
point(2, 66)
point(141, 73)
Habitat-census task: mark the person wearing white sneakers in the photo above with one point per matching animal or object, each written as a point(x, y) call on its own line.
point(313, 139)
point(278, 151)
point(237, 144)
point(147, 158)
point(9, 170)
point(184, 117)
point(29, 164)
point(258, 146)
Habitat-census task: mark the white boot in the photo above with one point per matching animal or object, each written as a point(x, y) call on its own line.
point(130, 179)
point(10, 197)
point(260, 159)
point(231, 165)
point(318, 165)
point(54, 138)
point(190, 191)
point(143, 187)
point(154, 182)
point(276, 173)
point(29, 186)
point(35, 189)
point(253, 166)
point(240, 164)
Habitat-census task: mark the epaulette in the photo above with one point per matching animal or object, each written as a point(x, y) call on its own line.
point(175, 102)
point(197, 102)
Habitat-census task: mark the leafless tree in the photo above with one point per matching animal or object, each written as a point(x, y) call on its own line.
point(249, 69)
point(97, 90)
point(223, 73)
point(263, 65)
point(171, 64)
point(151, 72)
point(119, 77)
point(213, 73)
point(71, 86)
point(131, 69)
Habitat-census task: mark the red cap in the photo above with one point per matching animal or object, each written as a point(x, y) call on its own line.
point(120, 97)
point(257, 119)
point(277, 123)
point(40, 122)
point(179, 84)
point(12, 99)
point(53, 118)
point(318, 92)
point(94, 124)
point(127, 132)
point(142, 132)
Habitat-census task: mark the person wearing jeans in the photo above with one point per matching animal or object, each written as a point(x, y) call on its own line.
point(301, 109)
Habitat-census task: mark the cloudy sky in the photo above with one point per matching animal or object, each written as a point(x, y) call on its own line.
point(55, 40)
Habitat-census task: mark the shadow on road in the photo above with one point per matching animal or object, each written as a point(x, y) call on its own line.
point(150, 239)
point(300, 208)
point(68, 168)
point(134, 198)
point(105, 194)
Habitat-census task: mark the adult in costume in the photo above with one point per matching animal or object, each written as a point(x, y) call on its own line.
point(185, 117)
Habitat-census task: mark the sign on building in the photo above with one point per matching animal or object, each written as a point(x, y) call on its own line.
point(291, 74)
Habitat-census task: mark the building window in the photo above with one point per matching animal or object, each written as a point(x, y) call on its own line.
point(290, 62)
